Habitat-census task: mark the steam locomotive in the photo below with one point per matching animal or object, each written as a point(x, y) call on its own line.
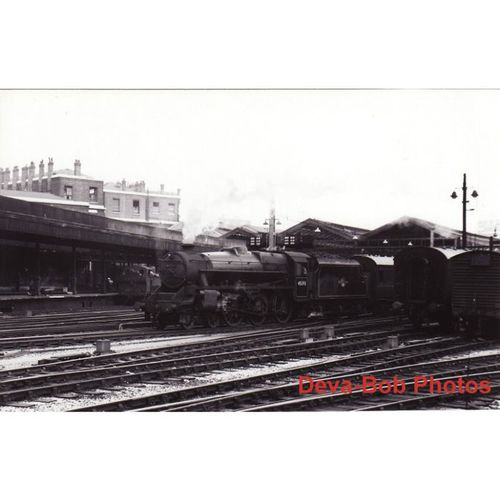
point(235, 285)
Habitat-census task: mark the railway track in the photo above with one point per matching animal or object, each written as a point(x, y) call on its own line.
point(126, 328)
point(265, 346)
point(22, 331)
point(486, 367)
point(209, 396)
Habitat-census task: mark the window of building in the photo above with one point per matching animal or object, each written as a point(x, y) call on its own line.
point(93, 194)
point(289, 240)
point(136, 207)
point(155, 210)
point(115, 205)
point(68, 192)
point(171, 209)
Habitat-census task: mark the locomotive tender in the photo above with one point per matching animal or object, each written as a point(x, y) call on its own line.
point(233, 285)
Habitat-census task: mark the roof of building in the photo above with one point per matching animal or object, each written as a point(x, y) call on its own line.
point(70, 172)
point(343, 231)
point(138, 189)
point(249, 229)
point(406, 221)
point(36, 197)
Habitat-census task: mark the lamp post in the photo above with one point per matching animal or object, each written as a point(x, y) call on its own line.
point(474, 194)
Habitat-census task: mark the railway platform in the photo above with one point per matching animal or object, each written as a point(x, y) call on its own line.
point(25, 305)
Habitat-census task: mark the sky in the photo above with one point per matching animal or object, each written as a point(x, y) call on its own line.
point(355, 157)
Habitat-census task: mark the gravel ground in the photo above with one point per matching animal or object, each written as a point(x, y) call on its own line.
point(21, 358)
point(75, 400)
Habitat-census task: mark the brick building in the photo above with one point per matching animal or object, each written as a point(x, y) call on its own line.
point(122, 201)
point(67, 184)
point(133, 202)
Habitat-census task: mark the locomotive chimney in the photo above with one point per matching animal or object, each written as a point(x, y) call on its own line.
point(431, 242)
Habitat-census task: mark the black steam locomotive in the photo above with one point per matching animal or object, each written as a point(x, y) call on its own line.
point(234, 285)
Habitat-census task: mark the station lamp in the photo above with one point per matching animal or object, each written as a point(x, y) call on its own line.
point(454, 195)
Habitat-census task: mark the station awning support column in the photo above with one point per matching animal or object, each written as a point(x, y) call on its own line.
point(73, 270)
point(37, 269)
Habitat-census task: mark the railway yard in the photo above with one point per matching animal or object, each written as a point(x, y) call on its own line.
point(50, 363)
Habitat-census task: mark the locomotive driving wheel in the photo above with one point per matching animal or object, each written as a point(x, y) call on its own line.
point(186, 320)
point(282, 309)
point(231, 313)
point(211, 319)
point(259, 308)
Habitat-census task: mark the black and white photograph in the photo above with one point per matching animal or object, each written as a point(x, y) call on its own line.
point(217, 250)
point(249, 250)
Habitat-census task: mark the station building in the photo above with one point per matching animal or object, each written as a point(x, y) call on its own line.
point(254, 237)
point(47, 249)
point(321, 236)
point(55, 237)
point(324, 237)
point(406, 231)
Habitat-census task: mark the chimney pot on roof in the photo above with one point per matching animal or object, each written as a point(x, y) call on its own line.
point(78, 167)
point(162, 187)
point(142, 187)
point(24, 174)
point(15, 176)
point(31, 174)
point(50, 170)
point(124, 184)
point(41, 172)
point(178, 192)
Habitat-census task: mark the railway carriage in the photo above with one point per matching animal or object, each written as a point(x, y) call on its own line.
point(422, 283)
point(233, 285)
point(475, 291)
